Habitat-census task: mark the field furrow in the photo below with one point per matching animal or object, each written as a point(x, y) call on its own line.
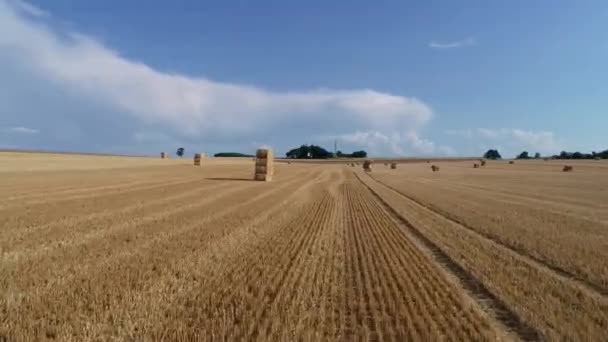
point(138, 249)
point(568, 245)
point(545, 299)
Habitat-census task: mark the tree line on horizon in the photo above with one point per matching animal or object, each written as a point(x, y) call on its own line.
point(318, 152)
point(494, 154)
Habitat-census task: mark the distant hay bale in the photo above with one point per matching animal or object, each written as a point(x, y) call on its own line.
point(597, 158)
point(476, 166)
point(352, 164)
point(435, 168)
point(393, 166)
point(197, 159)
point(367, 165)
point(483, 163)
point(428, 161)
point(511, 162)
point(163, 155)
point(567, 168)
point(264, 165)
point(385, 164)
point(546, 159)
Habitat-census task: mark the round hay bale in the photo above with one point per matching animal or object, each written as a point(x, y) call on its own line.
point(163, 155)
point(567, 168)
point(511, 162)
point(393, 166)
point(435, 168)
point(476, 166)
point(483, 163)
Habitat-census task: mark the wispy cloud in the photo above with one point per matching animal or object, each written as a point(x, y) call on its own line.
point(190, 105)
point(27, 8)
point(21, 130)
point(395, 143)
point(542, 141)
point(453, 44)
point(465, 133)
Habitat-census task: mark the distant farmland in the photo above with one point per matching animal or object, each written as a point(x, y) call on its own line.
point(121, 248)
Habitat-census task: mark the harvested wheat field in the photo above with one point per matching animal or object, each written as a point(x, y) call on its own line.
point(119, 248)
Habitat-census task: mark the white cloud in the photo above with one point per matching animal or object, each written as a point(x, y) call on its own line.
point(28, 9)
point(21, 130)
point(542, 141)
point(452, 45)
point(492, 133)
point(465, 133)
point(420, 145)
point(395, 143)
point(192, 106)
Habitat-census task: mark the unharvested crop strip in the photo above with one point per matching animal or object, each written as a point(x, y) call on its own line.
point(485, 299)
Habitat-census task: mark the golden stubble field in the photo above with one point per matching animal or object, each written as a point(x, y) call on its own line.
point(120, 248)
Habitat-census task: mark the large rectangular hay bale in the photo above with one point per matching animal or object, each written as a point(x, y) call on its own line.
point(264, 165)
point(197, 159)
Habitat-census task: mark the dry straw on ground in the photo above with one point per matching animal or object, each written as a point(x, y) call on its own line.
point(264, 164)
point(137, 250)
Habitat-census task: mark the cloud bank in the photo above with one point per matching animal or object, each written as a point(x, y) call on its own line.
point(190, 106)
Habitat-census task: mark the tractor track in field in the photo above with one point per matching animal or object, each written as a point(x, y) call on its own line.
point(387, 267)
point(559, 273)
point(492, 304)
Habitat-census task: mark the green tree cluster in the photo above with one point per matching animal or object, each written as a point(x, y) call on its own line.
point(232, 154)
point(318, 152)
point(492, 154)
point(579, 155)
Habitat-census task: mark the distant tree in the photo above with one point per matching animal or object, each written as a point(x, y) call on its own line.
point(309, 151)
point(492, 154)
point(523, 155)
point(577, 155)
point(318, 152)
point(359, 154)
point(180, 151)
point(232, 154)
point(536, 155)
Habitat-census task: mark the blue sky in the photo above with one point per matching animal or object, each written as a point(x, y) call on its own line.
point(391, 77)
